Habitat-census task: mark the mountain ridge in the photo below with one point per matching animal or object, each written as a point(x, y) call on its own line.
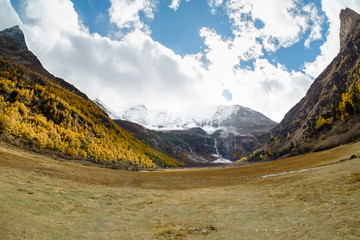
point(13, 48)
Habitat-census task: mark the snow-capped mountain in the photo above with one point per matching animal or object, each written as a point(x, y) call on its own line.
point(233, 120)
point(157, 120)
point(227, 134)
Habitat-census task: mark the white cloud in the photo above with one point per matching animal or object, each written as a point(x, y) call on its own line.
point(214, 4)
point(315, 20)
point(175, 4)
point(125, 13)
point(10, 17)
point(285, 21)
point(269, 88)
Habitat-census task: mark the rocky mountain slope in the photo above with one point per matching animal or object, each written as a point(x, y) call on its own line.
point(14, 49)
point(41, 112)
point(329, 114)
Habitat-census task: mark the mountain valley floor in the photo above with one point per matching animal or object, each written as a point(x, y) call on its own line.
point(314, 196)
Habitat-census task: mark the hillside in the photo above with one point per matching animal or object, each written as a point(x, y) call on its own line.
point(40, 111)
point(329, 114)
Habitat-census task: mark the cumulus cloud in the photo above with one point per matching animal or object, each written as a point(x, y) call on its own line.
point(10, 17)
point(175, 4)
point(284, 21)
point(125, 13)
point(270, 87)
point(214, 4)
point(315, 21)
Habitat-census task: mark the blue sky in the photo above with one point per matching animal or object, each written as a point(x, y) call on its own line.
point(183, 55)
point(179, 30)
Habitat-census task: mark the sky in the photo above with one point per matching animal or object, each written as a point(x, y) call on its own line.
point(186, 56)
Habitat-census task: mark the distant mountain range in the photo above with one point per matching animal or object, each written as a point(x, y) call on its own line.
point(228, 134)
point(234, 119)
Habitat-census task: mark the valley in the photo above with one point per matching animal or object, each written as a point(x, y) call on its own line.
point(44, 198)
point(71, 168)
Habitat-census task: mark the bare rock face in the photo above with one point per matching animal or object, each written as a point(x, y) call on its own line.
point(348, 21)
point(14, 49)
point(299, 131)
point(15, 33)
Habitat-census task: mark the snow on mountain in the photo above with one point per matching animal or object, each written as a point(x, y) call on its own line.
point(221, 137)
point(109, 112)
point(231, 120)
point(152, 119)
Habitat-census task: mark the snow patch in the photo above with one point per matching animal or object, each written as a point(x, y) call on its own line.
point(222, 160)
point(107, 110)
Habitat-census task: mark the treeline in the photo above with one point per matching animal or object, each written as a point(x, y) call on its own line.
point(42, 113)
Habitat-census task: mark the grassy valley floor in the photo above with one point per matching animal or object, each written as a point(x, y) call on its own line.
point(315, 196)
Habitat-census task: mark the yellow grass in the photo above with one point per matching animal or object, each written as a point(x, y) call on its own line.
point(43, 198)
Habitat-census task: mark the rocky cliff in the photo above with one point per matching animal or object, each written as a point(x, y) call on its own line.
point(328, 115)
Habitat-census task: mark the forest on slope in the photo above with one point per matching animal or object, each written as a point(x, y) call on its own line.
point(41, 113)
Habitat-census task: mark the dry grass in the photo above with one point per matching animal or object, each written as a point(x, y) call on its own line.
point(42, 198)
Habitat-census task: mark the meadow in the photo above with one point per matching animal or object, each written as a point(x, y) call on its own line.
point(314, 196)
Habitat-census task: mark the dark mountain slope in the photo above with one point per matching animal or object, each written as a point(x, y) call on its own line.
point(329, 114)
point(188, 146)
point(45, 112)
point(14, 49)
point(194, 146)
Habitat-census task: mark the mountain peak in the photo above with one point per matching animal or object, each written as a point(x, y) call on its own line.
point(15, 33)
point(348, 21)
